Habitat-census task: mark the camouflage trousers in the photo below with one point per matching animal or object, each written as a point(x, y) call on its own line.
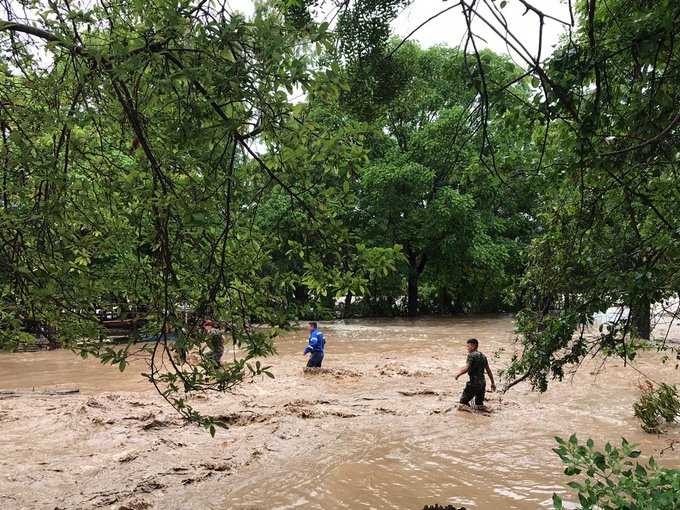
point(473, 390)
point(217, 350)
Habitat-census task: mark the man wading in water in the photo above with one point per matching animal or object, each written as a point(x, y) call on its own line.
point(316, 344)
point(216, 340)
point(475, 366)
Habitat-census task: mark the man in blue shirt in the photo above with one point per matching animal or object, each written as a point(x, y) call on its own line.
point(316, 345)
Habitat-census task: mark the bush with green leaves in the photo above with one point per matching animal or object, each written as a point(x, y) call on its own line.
point(613, 481)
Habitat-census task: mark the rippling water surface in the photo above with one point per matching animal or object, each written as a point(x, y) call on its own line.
point(382, 429)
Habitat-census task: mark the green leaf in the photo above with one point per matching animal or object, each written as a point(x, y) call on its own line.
point(640, 471)
point(557, 502)
point(600, 461)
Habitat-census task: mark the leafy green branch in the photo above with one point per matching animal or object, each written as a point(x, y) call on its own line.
point(612, 481)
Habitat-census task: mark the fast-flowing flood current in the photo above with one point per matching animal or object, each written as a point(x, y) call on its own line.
point(376, 428)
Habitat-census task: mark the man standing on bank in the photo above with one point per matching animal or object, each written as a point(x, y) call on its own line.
point(475, 366)
point(316, 344)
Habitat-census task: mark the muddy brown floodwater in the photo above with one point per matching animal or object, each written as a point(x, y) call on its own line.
point(376, 428)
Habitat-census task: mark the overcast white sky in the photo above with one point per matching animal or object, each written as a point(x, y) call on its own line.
point(449, 28)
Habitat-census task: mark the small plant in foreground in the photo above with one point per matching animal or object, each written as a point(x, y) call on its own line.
point(613, 482)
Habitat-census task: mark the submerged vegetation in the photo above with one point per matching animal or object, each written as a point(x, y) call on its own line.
point(657, 407)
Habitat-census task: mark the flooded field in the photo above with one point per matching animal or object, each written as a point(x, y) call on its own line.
point(376, 428)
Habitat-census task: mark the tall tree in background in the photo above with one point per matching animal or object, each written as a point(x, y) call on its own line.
point(427, 189)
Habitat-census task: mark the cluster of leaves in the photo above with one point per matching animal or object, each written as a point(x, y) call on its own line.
point(613, 481)
point(657, 406)
point(609, 227)
point(363, 33)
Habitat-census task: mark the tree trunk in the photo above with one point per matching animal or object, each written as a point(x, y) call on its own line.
point(412, 293)
point(447, 302)
point(300, 293)
point(641, 317)
point(415, 269)
point(348, 302)
point(51, 334)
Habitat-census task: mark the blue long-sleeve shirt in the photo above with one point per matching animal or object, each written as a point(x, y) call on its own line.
point(316, 342)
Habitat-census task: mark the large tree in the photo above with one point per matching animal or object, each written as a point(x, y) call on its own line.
point(612, 235)
point(431, 187)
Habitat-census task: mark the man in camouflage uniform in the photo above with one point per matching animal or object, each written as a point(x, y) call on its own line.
point(475, 366)
point(216, 340)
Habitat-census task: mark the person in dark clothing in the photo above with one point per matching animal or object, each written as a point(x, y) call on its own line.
point(475, 366)
point(216, 340)
point(316, 343)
